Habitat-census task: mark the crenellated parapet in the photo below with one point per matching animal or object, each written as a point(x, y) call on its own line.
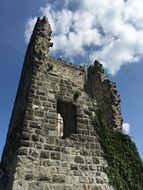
point(104, 91)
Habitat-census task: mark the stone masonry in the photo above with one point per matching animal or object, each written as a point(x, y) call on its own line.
point(34, 156)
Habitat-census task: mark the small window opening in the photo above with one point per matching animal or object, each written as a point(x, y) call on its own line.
point(66, 119)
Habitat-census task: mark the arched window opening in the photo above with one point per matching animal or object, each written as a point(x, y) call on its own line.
point(66, 119)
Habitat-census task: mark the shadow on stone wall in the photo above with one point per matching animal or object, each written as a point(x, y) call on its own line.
point(3, 178)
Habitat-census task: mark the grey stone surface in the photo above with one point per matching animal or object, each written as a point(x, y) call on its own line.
point(34, 157)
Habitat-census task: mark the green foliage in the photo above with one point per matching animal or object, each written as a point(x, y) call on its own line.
point(125, 167)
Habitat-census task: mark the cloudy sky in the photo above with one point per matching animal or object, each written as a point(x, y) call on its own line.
point(107, 30)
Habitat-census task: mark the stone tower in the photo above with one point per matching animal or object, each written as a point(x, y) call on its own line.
point(51, 142)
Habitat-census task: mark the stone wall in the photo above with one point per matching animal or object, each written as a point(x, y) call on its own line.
point(99, 87)
point(46, 161)
point(34, 157)
point(9, 156)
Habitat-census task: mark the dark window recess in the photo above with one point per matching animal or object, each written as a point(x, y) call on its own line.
point(66, 119)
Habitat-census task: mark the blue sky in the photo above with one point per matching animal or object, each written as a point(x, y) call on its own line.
point(118, 44)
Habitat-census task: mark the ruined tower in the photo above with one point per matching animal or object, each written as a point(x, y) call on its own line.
point(51, 142)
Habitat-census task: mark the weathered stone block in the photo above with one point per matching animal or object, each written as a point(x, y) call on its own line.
point(73, 166)
point(25, 136)
point(79, 159)
point(39, 114)
point(44, 177)
point(96, 160)
point(55, 155)
point(23, 151)
point(59, 178)
point(29, 177)
point(35, 137)
point(45, 154)
point(83, 167)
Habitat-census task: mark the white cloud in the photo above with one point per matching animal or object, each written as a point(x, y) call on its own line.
point(126, 128)
point(111, 31)
point(29, 28)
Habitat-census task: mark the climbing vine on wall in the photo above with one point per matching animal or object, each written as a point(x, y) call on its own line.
point(125, 167)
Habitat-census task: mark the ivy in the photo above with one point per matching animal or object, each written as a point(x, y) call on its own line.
point(125, 167)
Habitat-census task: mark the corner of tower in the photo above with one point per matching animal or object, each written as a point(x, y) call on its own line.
point(41, 35)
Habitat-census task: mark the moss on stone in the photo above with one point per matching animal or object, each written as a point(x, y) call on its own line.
point(125, 167)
